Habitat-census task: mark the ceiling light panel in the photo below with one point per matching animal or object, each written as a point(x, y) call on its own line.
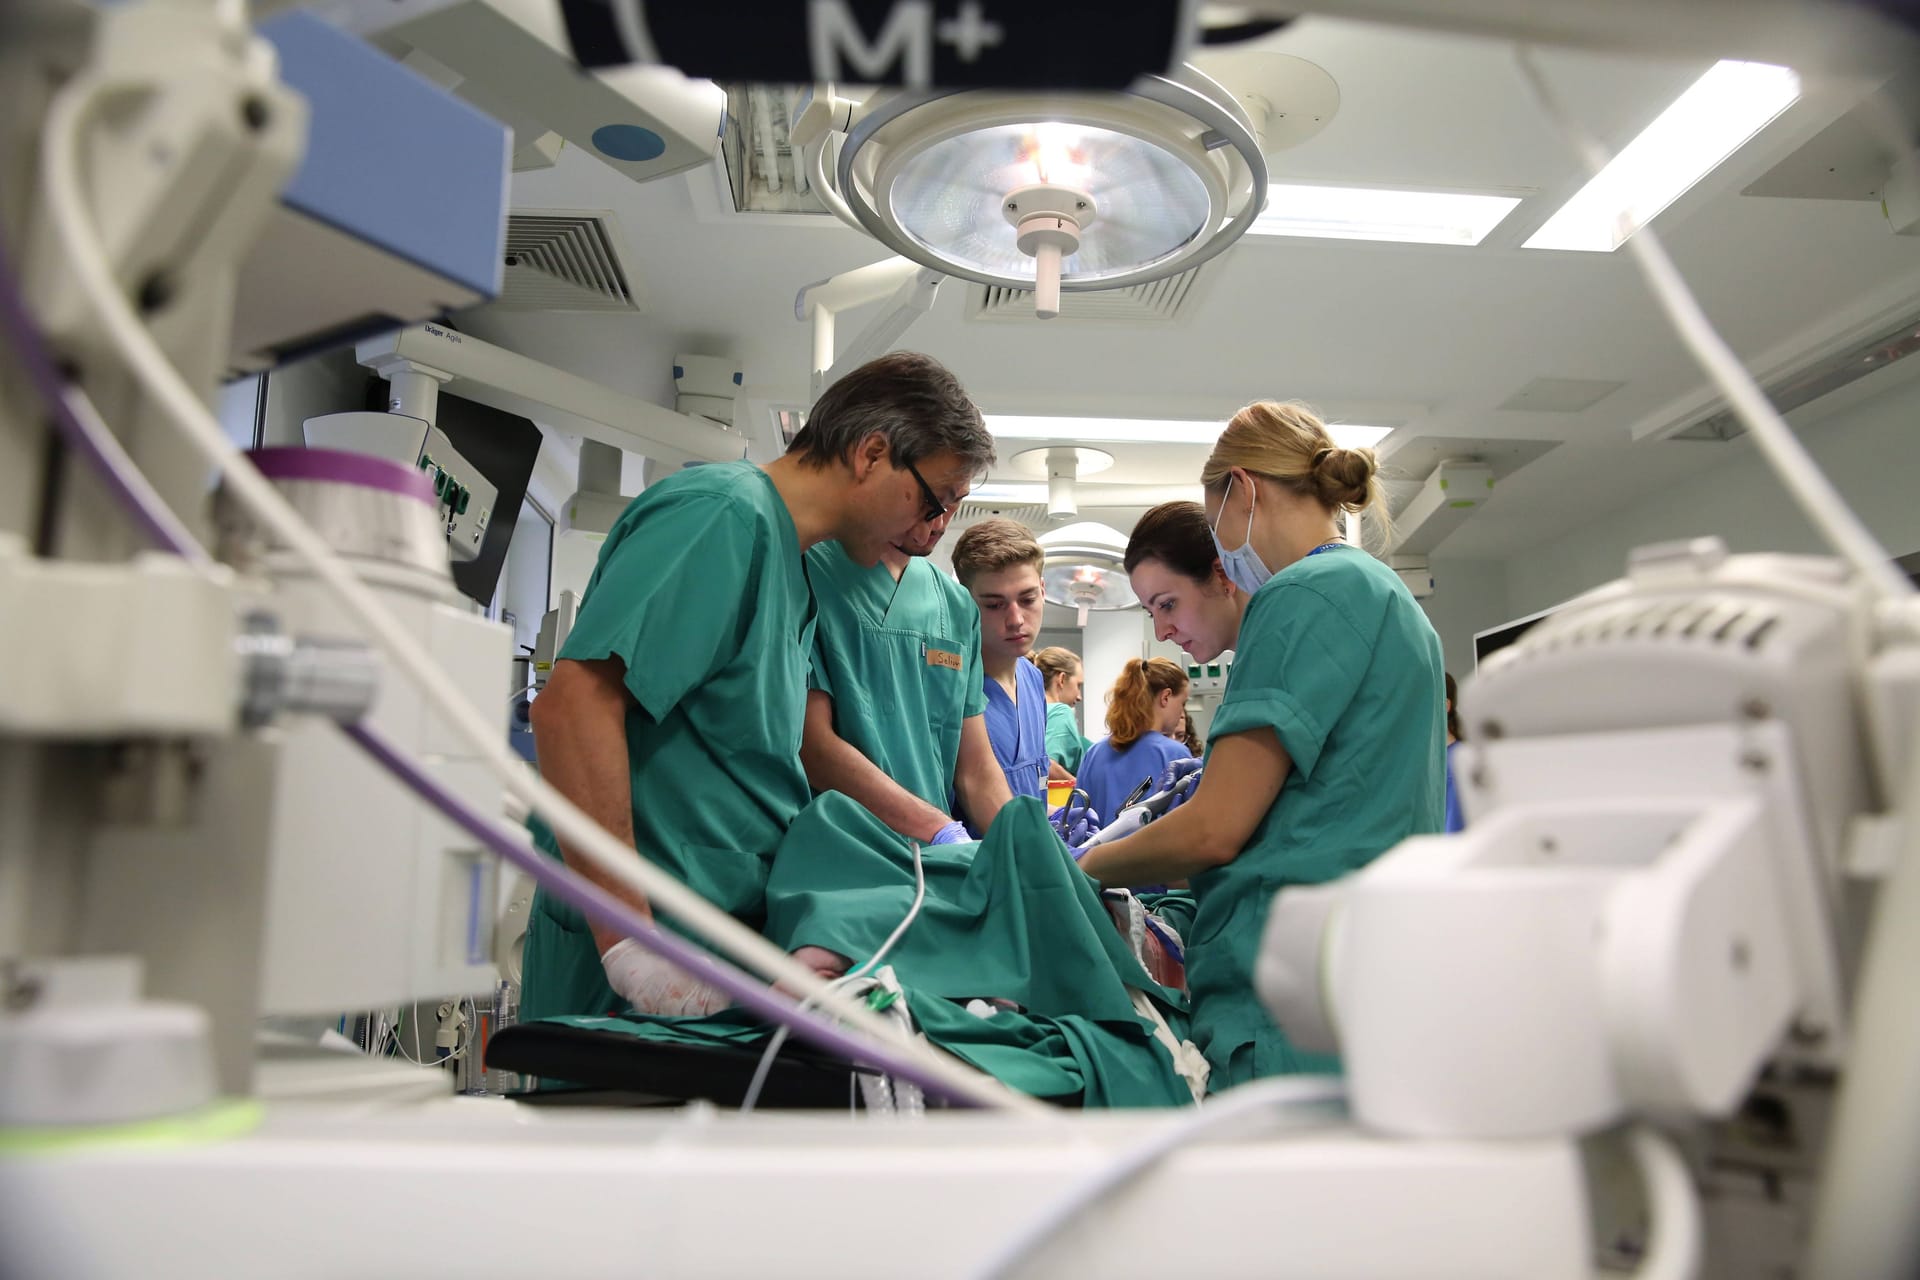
point(1708, 123)
point(1014, 491)
point(1151, 430)
point(1368, 213)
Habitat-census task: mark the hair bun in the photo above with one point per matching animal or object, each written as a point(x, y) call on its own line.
point(1343, 477)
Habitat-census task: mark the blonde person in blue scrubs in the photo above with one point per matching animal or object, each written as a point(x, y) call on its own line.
point(1328, 748)
point(674, 714)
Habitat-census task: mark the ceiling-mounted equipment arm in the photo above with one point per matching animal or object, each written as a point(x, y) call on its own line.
point(492, 375)
point(909, 292)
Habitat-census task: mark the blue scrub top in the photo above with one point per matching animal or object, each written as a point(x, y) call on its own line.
point(1018, 730)
point(1456, 820)
point(1110, 774)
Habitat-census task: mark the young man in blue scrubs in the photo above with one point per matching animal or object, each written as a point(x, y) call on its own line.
point(674, 715)
point(895, 707)
point(998, 562)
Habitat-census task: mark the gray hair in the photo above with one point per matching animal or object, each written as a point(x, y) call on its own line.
point(910, 399)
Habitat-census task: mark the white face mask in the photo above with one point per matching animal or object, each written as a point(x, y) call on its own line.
point(1243, 566)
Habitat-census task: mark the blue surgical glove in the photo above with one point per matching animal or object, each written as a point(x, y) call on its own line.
point(1075, 820)
point(1176, 773)
point(954, 832)
point(1182, 792)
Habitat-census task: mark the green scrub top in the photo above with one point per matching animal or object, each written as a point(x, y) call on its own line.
point(1064, 743)
point(1336, 658)
point(901, 661)
point(701, 592)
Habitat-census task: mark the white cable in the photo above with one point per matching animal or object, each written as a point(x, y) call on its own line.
point(582, 835)
point(1825, 509)
point(400, 1043)
point(1675, 1251)
point(1285, 1091)
point(845, 980)
point(919, 897)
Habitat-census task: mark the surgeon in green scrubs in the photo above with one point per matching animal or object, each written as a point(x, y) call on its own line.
point(674, 713)
point(895, 708)
point(1329, 745)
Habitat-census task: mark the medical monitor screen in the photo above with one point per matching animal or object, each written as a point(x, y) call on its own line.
point(503, 446)
point(1494, 639)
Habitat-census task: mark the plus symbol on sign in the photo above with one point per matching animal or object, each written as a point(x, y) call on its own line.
point(970, 32)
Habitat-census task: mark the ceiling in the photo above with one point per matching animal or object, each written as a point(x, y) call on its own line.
point(1428, 339)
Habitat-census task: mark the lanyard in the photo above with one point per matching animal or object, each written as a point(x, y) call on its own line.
point(1327, 546)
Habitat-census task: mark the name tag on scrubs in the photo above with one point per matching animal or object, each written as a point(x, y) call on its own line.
point(941, 658)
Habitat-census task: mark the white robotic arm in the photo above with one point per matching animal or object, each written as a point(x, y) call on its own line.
point(1661, 779)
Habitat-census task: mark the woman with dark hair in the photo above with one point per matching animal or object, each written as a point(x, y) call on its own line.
point(1189, 736)
point(1171, 562)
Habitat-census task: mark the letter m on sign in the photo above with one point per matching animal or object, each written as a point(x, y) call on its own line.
point(842, 51)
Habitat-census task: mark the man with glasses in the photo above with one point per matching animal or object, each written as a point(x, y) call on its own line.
point(675, 712)
point(895, 708)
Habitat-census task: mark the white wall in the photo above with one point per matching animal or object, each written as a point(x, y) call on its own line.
point(1468, 596)
point(1111, 638)
point(525, 588)
point(1870, 450)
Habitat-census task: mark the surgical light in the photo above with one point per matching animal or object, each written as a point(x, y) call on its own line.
point(1047, 192)
point(1368, 213)
point(1709, 122)
point(1084, 568)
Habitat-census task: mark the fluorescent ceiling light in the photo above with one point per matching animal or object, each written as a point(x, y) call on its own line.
point(1150, 430)
point(1705, 125)
point(1013, 492)
point(1369, 213)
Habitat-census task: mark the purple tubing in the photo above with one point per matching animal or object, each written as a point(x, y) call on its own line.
point(562, 881)
point(338, 466)
point(602, 907)
point(135, 496)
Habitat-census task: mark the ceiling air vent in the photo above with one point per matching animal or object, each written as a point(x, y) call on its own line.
point(1156, 300)
point(565, 261)
point(1031, 514)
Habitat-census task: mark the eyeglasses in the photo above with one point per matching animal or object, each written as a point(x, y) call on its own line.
point(935, 509)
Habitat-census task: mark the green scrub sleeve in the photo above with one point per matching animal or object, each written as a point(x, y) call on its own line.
point(1298, 666)
point(817, 676)
point(667, 600)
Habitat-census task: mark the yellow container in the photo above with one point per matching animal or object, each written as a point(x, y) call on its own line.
point(1057, 793)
